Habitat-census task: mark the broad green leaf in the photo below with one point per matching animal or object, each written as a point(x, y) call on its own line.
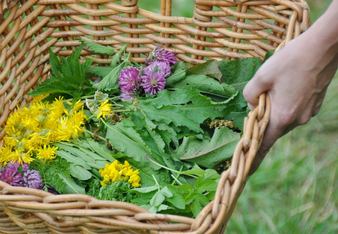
point(157, 199)
point(205, 85)
point(101, 149)
point(196, 208)
point(177, 199)
point(196, 106)
point(71, 186)
point(211, 174)
point(209, 68)
point(166, 192)
point(207, 185)
point(145, 189)
point(80, 173)
point(167, 114)
point(196, 170)
point(178, 73)
point(127, 140)
point(209, 153)
point(238, 72)
point(72, 159)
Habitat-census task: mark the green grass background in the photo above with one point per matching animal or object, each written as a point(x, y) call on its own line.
point(295, 189)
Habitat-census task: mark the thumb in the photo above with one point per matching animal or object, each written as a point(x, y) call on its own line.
point(253, 89)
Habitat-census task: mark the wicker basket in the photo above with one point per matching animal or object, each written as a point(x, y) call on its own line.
point(220, 29)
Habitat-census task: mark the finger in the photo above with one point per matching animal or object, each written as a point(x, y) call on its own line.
point(253, 89)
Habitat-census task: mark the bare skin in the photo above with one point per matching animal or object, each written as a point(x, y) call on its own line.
point(296, 79)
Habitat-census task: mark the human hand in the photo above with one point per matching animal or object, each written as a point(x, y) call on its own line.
point(296, 79)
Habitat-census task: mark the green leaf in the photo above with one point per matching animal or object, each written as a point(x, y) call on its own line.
point(110, 81)
point(178, 72)
point(145, 189)
point(79, 172)
point(177, 199)
point(97, 48)
point(157, 138)
point(211, 174)
point(166, 192)
point(100, 71)
point(196, 170)
point(71, 186)
point(209, 68)
point(195, 105)
point(125, 139)
point(157, 199)
point(71, 159)
point(205, 85)
point(167, 114)
point(101, 149)
point(208, 153)
point(238, 72)
point(207, 185)
point(116, 57)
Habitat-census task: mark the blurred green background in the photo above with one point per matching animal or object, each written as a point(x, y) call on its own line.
point(295, 189)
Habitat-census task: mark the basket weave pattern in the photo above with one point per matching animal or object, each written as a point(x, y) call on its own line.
point(220, 29)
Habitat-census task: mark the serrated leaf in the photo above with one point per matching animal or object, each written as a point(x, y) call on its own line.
point(209, 68)
point(55, 65)
point(97, 48)
point(238, 72)
point(167, 114)
point(195, 105)
point(178, 73)
point(110, 81)
point(79, 172)
point(205, 85)
point(208, 153)
point(100, 71)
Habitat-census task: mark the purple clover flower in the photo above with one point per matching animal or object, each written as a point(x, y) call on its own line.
point(129, 79)
point(161, 67)
point(127, 95)
point(11, 175)
point(32, 179)
point(162, 55)
point(153, 83)
point(25, 167)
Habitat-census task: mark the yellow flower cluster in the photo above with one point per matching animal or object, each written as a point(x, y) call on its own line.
point(104, 109)
point(30, 130)
point(117, 171)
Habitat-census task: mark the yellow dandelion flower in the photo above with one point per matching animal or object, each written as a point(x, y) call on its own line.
point(46, 152)
point(10, 142)
point(40, 97)
point(104, 109)
point(58, 108)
